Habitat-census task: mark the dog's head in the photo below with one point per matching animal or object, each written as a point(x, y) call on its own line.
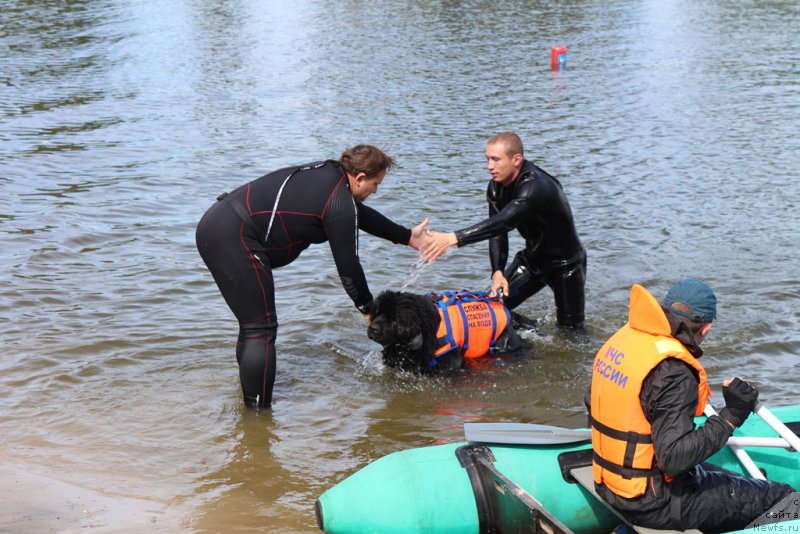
point(405, 325)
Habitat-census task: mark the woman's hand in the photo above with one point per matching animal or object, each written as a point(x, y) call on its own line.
point(419, 234)
point(438, 244)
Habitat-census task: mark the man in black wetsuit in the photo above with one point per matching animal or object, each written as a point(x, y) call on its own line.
point(525, 197)
point(267, 223)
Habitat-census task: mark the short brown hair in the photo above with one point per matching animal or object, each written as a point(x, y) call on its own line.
point(510, 140)
point(368, 159)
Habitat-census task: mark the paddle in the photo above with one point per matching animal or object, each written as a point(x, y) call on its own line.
point(778, 426)
point(740, 453)
point(533, 434)
point(524, 434)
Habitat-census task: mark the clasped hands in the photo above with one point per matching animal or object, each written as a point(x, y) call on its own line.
point(431, 244)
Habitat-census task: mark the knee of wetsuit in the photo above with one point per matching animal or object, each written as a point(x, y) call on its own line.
point(257, 328)
point(517, 273)
point(517, 268)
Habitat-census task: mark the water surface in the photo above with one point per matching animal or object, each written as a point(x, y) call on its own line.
point(673, 130)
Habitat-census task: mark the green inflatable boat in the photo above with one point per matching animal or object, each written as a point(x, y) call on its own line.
point(485, 486)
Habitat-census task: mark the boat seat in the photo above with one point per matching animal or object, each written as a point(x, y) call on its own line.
point(585, 477)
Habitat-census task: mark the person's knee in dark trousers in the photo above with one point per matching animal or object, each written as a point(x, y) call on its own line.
point(522, 283)
point(717, 500)
point(567, 284)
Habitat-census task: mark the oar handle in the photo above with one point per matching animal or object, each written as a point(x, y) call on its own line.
point(755, 441)
point(740, 453)
point(533, 434)
point(778, 426)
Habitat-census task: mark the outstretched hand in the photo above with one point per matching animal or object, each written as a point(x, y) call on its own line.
point(420, 234)
point(438, 244)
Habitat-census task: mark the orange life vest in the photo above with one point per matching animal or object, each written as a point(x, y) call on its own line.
point(470, 321)
point(621, 435)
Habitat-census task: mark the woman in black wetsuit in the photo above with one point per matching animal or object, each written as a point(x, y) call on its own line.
point(268, 222)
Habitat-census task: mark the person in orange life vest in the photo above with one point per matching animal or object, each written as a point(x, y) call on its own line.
point(647, 387)
point(524, 196)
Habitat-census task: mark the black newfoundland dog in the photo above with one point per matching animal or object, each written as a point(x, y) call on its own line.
point(406, 325)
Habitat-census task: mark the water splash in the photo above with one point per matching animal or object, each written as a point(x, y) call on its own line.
point(416, 271)
point(370, 365)
point(420, 267)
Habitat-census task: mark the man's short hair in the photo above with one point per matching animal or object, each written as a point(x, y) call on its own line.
point(510, 140)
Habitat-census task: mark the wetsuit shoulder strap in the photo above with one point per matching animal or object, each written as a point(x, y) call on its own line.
point(244, 215)
point(280, 192)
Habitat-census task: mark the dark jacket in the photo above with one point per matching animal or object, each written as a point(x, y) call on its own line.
point(669, 399)
point(315, 206)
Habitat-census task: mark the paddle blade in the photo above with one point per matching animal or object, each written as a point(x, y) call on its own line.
point(523, 434)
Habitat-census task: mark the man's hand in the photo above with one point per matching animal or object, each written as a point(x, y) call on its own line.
point(367, 319)
point(420, 234)
point(740, 400)
point(439, 243)
point(498, 282)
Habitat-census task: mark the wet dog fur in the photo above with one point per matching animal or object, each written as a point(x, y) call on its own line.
point(405, 324)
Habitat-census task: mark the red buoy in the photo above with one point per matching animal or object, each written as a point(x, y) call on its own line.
point(558, 57)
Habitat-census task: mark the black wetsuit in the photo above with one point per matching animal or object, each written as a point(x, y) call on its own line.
point(701, 496)
point(535, 204)
point(315, 205)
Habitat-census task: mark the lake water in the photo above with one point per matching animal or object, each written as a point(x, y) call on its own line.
point(674, 130)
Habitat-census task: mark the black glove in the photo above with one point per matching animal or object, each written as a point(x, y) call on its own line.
point(740, 400)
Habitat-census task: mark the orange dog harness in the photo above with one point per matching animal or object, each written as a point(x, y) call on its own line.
point(470, 321)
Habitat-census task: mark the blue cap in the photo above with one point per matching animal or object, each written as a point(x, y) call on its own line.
point(697, 296)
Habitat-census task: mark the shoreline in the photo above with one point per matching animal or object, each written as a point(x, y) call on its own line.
point(31, 502)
